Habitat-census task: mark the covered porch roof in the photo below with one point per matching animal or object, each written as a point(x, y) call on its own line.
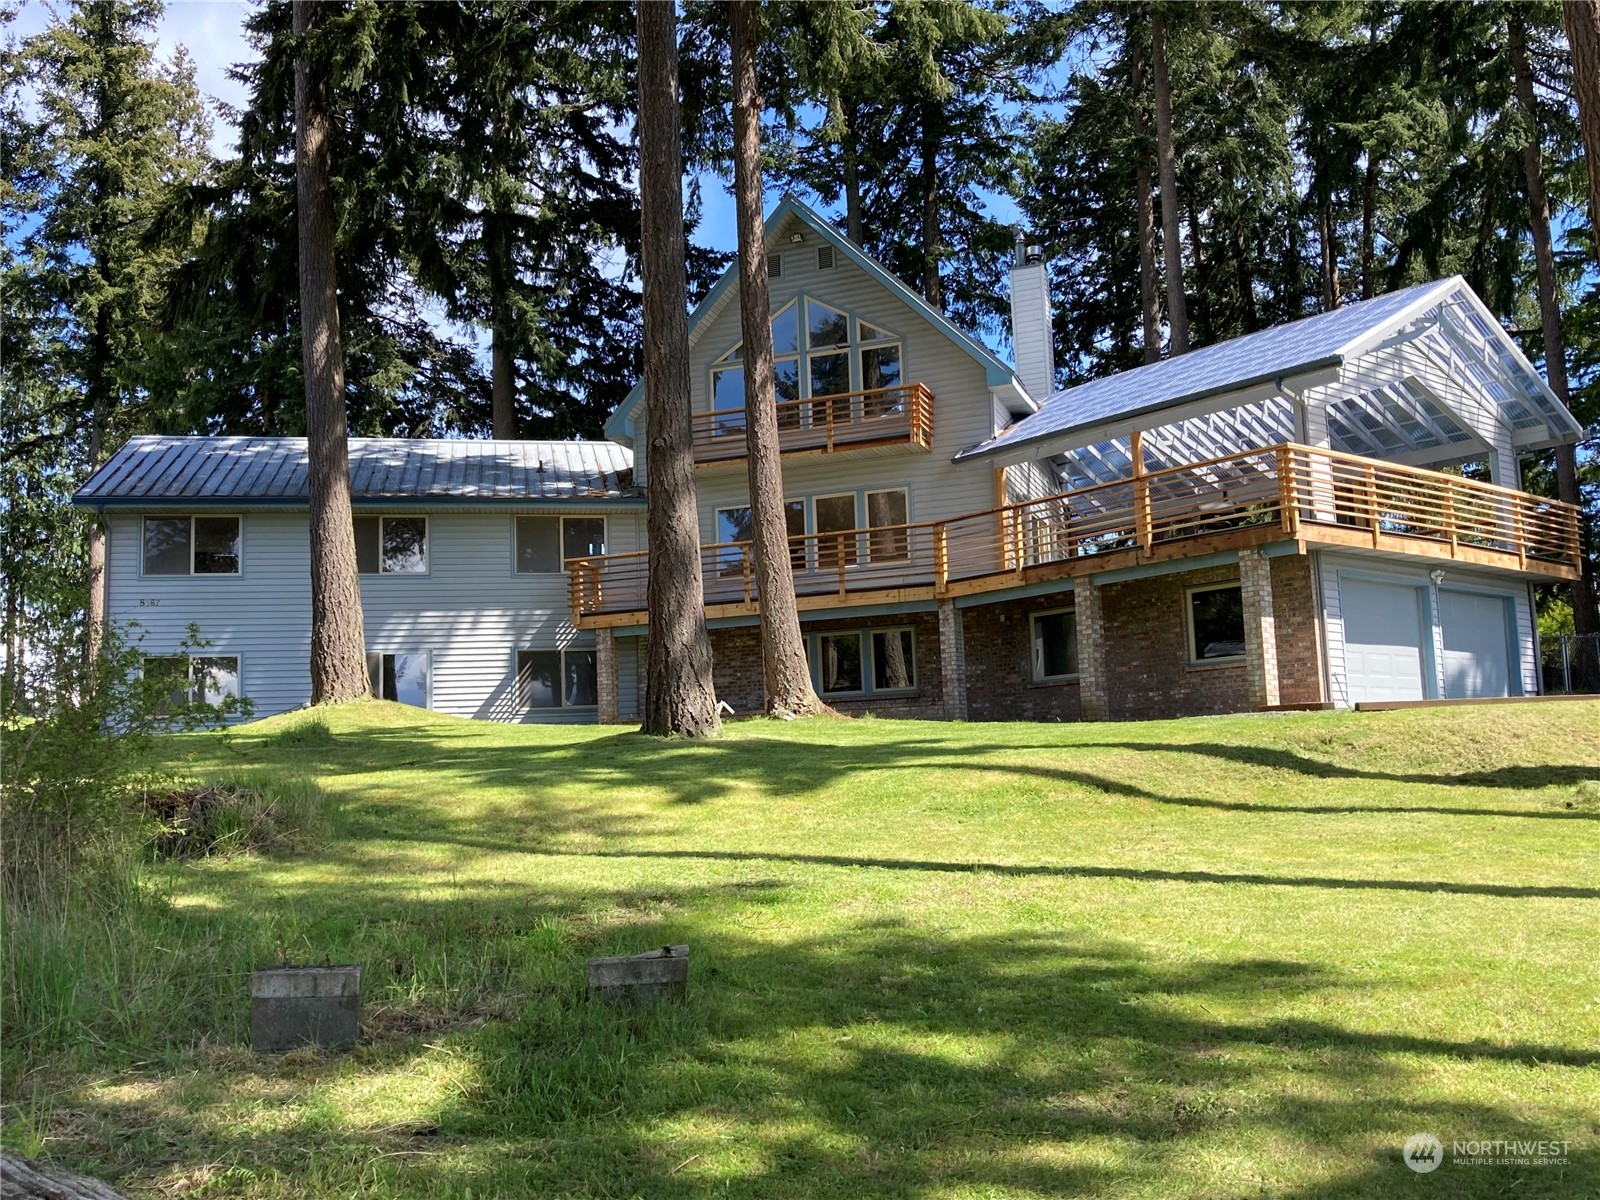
point(1424, 376)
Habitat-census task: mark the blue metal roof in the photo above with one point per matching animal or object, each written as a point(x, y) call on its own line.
point(260, 470)
point(995, 371)
point(1255, 358)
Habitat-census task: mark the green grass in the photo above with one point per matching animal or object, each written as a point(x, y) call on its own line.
point(1223, 957)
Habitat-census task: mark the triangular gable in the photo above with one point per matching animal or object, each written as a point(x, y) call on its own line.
point(996, 373)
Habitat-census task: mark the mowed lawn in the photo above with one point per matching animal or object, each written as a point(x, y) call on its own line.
point(1221, 957)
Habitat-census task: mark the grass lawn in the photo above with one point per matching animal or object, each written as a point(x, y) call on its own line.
point(1242, 956)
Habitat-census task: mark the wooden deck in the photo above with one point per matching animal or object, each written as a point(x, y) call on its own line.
point(1281, 493)
point(877, 419)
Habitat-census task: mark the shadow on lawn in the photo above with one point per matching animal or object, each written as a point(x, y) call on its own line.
point(886, 1060)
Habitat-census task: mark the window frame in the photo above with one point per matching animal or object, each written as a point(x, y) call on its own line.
point(425, 654)
point(189, 660)
point(427, 550)
point(867, 635)
point(561, 540)
point(1033, 638)
point(191, 517)
point(1189, 593)
point(798, 556)
point(522, 708)
point(864, 510)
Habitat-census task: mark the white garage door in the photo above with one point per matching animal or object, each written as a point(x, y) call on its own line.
point(1476, 659)
point(1382, 640)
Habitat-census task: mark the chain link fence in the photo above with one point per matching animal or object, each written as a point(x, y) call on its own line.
point(1571, 663)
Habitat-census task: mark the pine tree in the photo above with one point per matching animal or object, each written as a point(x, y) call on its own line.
point(679, 694)
point(115, 134)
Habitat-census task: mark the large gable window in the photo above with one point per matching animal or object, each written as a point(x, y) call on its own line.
point(191, 545)
point(818, 351)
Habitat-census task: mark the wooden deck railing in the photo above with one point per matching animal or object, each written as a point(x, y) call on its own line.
point(1274, 494)
point(897, 416)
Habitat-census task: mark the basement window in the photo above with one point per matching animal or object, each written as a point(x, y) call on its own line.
point(392, 545)
point(1055, 644)
point(195, 679)
point(556, 679)
point(404, 676)
point(863, 662)
point(1216, 623)
point(191, 546)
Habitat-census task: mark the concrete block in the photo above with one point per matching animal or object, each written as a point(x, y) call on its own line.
point(641, 978)
point(304, 1006)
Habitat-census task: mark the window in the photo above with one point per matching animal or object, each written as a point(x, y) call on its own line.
point(840, 663)
point(196, 679)
point(885, 511)
point(556, 679)
point(1055, 644)
point(828, 365)
point(864, 661)
point(733, 525)
point(402, 676)
point(727, 375)
point(191, 545)
point(1216, 623)
point(546, 544)
point(836, 515)
point(392, 545)
point(893, 661)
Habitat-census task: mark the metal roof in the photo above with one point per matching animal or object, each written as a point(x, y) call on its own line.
point(1377, 407)
point(153, 469)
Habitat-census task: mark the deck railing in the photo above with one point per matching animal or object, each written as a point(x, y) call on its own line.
point(1278, 493)
point(896, 416)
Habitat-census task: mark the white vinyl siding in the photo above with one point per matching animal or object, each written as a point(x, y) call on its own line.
point(470, 613)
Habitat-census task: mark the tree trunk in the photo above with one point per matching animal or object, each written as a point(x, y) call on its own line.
point(1582, 19)
point(502, 357)
point(1244, 277)
point(95, 610)
point(1202, 308)
point(852, 177)
point(679, 694)
point(783, 655)
point(1331, 292)
point(338, 641)
point(1177, 310)
point(932, 286)
point(1149, 300)
point(1293, 299)
point(1555, 346)
point(1369, 228)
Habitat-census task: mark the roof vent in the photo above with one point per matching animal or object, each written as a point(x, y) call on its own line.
point(824, 258)
point(774, 266)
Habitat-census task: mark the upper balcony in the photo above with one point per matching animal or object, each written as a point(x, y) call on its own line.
point(1279, 493)
point(877, 420)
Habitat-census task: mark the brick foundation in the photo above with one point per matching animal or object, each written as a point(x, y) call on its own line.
point(736, 655)
point(1000, 684)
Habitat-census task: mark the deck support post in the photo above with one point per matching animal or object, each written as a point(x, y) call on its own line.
point(605, 669)
point(952, 661)
point(1260, 628)
point(1092, 705)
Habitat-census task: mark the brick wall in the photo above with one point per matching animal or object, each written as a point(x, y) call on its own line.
point(736, 657)
point(1294, 603)
point(1000, 683)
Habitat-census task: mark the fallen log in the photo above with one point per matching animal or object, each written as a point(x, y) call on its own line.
point(21, 1179)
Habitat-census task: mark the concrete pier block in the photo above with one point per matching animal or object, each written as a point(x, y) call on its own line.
point(641, 978)
point(304, 1006)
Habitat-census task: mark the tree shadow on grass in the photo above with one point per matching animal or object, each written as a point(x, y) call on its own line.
point(885, 1059)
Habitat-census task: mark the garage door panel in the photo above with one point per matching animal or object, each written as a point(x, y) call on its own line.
point(1477, 658)
point(1382, 640)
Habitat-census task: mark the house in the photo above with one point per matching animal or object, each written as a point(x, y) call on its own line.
point(1266, 522)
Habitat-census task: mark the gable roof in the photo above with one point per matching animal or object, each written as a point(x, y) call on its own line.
point(153, 469)
point(996, 372)
point(1266, 361)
